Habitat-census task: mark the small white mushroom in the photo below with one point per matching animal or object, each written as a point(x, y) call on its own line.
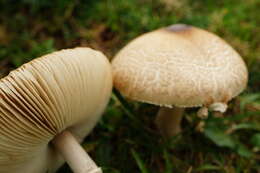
point(181, 66)
point(48, 106)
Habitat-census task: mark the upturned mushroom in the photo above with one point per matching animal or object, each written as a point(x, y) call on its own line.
point(47, 108)
point(177, 67)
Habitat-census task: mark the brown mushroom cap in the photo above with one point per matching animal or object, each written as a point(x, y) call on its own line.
point(68, 89)
point(179, 65)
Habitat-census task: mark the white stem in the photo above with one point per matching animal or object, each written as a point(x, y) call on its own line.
point(168, 121)
point(77, 158)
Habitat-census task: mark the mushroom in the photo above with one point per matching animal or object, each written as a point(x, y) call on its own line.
point(47, 108)
point(177, 67)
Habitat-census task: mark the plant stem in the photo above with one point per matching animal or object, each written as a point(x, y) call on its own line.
point(78, 160)
point(168, 120)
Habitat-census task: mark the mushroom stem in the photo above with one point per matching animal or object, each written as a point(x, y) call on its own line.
point(168, 121)
point(78, 160)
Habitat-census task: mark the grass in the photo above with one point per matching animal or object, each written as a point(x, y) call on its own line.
point(126, 139)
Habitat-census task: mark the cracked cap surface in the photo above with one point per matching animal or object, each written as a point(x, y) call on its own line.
point(179, 65)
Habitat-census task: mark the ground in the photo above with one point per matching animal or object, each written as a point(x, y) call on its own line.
point(126, 139)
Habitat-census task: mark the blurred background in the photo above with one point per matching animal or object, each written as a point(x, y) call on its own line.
point(126, 139)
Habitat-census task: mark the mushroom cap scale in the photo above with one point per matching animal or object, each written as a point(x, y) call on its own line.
point(68, 89)
point(179, 65)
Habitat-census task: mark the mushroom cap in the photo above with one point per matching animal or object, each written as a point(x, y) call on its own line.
point(181, 66)
point(67, 89)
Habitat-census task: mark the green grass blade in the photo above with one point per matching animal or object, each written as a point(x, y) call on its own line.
point(139, 162)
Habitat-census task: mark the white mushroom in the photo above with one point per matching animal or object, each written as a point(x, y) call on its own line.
point(56, 99)
point(181, 66)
